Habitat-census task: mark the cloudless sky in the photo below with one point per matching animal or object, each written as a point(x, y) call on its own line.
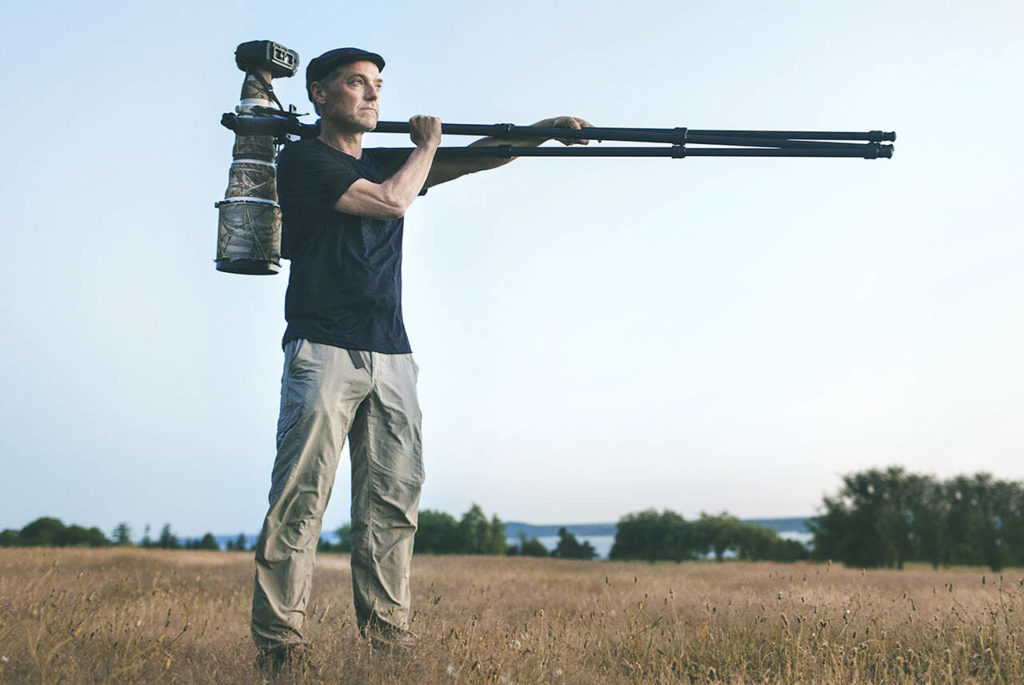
point(596, 337)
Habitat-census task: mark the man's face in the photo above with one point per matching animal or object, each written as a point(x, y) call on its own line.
point(351, 100)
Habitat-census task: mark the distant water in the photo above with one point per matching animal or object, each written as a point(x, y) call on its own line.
point(602, 544)
point(603, 534)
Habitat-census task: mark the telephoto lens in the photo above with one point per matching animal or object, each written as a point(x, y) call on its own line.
point(249, 226)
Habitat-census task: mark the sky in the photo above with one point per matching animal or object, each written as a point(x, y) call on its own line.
point(595, 336)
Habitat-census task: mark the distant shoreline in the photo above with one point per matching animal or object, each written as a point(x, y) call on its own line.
point(513, 529)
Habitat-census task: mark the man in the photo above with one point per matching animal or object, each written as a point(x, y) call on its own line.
point(348, 368)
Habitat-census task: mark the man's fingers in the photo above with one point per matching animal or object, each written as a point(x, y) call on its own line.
point(573, 123)
point(425, 129)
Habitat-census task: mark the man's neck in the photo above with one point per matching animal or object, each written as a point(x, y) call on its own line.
point(349, 142)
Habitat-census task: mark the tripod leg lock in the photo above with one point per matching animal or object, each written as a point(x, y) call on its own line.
point(679, 135)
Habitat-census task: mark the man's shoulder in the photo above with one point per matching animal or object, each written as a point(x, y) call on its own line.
point(386, 155)
point(382, 162)
point(306, 149)
point(305, 160)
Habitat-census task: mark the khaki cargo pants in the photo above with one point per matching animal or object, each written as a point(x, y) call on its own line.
point(328, 393)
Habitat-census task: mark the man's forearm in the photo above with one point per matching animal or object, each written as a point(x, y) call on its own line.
point(405, 185)
point(390, 199)
point(449, 169)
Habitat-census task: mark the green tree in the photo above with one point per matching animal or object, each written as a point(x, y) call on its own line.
point(720, 534)
point(10, 538)
point(929, 513)
point(569, 547)
point(973, 526)
point(886, 518)
point(477, 535)
point(436, 533)
point(122, 536)
point(869, 523)
point(51, 532)
point(167, 539)
point(439, 533)
point(43, 532)
point(344, 533)
point(756, 542)
point(531, 547)
point(651, 536)
point(344, 543)
point(206, 542)
point(80, 536)
point(640, 536)
point(1008, 505)
point(238, 544)
point(789, 550)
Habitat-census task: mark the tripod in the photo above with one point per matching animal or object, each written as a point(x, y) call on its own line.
point(676, 143)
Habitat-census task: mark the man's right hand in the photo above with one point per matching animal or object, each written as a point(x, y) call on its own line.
point(425, 131)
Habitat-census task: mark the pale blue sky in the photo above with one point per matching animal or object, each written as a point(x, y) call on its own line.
point(596, 336)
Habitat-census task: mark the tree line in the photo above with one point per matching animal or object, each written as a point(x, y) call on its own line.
point(438, 533)
point(474, 533)
point(668, 536)
point(51, 532)
point(888, 517)
point(878, 518)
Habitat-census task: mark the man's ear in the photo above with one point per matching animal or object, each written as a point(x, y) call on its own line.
point(316, 91)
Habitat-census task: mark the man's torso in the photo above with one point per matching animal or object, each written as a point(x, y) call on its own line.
point(345, 283)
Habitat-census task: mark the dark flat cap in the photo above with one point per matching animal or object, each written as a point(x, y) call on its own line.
point(323, 65)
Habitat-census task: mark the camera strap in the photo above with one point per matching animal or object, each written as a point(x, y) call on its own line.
point(269, 88)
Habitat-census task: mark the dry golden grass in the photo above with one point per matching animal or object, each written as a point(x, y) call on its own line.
point(146, 616)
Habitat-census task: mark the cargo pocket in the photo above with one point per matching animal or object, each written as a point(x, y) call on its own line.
point(299, 367)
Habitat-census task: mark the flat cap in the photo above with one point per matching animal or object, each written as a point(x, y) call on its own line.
point(321, 66)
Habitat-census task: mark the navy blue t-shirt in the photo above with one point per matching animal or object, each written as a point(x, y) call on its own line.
point(345, 284)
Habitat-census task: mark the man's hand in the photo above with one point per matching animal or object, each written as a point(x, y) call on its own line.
point(445, 170)
point(567, 122)
point(425, 131)
point(390, 199)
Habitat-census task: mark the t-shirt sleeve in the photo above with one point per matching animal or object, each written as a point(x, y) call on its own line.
point(390, 160)
point(310, 180)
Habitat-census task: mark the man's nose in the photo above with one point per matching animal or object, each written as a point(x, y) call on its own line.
point(372, 93)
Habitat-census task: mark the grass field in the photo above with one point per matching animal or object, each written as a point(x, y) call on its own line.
point(148, 616)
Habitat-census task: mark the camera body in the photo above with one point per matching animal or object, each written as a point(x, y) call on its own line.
point(268, 56)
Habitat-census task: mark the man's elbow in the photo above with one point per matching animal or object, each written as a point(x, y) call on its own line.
point(391, 207)
point(376, 206)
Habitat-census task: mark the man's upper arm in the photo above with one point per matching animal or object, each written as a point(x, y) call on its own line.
point(366, 198)
point(310, 180)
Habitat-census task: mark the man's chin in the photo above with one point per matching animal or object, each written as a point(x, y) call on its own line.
point(358, 124)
